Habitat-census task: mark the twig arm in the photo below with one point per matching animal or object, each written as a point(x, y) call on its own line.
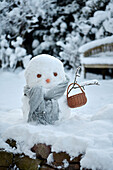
point(76, 75)
point(87, 83)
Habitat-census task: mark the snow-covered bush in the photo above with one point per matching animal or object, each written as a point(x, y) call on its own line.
point(54, 27)
point(14, 55)
point(69, 50)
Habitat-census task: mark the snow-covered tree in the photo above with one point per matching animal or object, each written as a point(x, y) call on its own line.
point(59, 28)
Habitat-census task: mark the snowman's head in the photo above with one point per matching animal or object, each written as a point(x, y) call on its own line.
point(44, 70)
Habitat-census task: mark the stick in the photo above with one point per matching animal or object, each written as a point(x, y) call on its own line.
point(87, 83)
point(75, 80)
point(76, 75)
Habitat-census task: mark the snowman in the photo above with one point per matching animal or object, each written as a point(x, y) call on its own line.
point(44, 101)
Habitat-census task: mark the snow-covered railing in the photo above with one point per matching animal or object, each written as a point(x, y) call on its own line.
point(97, 46)
point(97, 54)
point(99, 49)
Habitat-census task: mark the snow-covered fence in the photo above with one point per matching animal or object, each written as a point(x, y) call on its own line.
point(97, 54)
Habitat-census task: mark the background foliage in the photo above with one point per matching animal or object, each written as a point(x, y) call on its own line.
point(56, 27)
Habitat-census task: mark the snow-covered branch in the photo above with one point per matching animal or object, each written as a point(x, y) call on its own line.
point(90, 82)
point(86, 83)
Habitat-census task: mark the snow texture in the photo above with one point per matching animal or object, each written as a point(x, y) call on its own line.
point(89, 129)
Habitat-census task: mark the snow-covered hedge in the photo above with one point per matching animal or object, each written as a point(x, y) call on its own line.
point(59, 28)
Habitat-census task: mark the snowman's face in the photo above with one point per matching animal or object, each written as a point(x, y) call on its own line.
point(45, 71)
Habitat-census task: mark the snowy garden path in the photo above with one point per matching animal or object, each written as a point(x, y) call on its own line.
point(88, 129)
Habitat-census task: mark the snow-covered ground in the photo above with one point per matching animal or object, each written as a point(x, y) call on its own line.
point(88, 130)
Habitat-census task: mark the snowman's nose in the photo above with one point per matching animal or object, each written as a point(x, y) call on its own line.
point(48, 80)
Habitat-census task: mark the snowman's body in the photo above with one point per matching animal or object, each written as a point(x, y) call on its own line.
point(47, 72)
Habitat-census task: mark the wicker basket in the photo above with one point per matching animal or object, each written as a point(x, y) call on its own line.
point(76, 100)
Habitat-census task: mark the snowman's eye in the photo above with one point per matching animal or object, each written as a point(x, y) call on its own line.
point(39, 75)
point(55, 74)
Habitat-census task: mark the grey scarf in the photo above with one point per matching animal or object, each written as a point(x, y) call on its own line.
point(44, 107)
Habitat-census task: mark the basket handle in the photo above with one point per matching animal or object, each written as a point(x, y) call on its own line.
point(72, 88)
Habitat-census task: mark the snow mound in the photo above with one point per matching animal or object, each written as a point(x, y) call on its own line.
point(105, 113)
point(88, 130)
point(96, 158)
point(78, 134)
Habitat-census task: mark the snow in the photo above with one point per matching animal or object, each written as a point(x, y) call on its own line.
point(96, 43)
point(84, 28)
point(88, 130)
point(108, 25)
point(63, 27)
point(11, 90)
point(45, 65)
point(9, 51)
point(26, 60)
point(18, 42)
point(19, 51)
point(99, 16)
point(35, 43)
point(102, 58)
